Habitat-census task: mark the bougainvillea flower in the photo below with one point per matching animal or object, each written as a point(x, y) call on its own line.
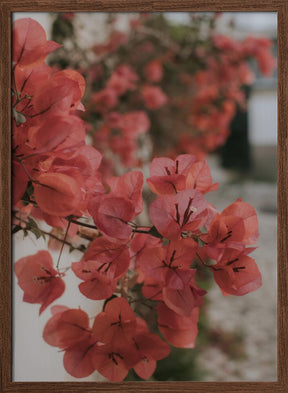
point(27, 81)
point(135, 123)
point(130, 124)
point(182, 296)
point(66, 327)
point(150, 348)
point(117, 320)
point(60, 95)
point(104, 100)
point(153, 97)
point(199, 178)
point(224, 232)
point(62, 77)
point(179, 330)
point(69, 329)
point(57, 133)
point(248, 214)
point(78, 359)
point(174, 214)
point(101, 266)
point(128, 186)
point(38, 279)
point(154, 71)
point(122, 79)
point(152, 288)
point(112, 360)
point(139, 243)
point(157, 261)
point(97, 285)
point(236, 273)
point(169, 176)
point(30, 46)
point(57, 194)
point(169, 269)
point(112, 215)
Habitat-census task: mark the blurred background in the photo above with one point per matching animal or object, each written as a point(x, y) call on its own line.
point(200, 83)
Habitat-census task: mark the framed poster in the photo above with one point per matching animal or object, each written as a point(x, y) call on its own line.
point(135, 85)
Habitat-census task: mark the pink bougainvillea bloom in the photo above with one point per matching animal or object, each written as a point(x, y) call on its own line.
point(112, 215)
point(38, 279)
point(154, 97)
point(169, 176)
point(176, 214)
point(104, 100)
point(138, 244)
point(247, 213)
point(30, 46)
point(169, 269)
point(66, 327)
point(78, 359)
point(150, 348)
point(154, 71)
point(179, 330)
point(157, 261)
point(236, 273)
point(224, 232)
point(102, 265)
point(58, 194)
point(122, 79)
point(69, 330)
point(57, 133)
point(128, 186)
point(112, 360)
point(117, 320)
point(199, 178)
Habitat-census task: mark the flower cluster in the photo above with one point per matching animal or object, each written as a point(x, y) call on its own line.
point(52, 165)
point(165, 81)
point(57, 179)
point(216, 89)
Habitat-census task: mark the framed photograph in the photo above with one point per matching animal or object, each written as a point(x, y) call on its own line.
point(144, 196)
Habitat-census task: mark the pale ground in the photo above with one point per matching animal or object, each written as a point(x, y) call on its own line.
point(253, 316)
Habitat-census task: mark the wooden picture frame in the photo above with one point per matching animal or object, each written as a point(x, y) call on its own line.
point(7, 7)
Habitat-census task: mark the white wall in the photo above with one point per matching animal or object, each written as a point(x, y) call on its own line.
point(262, 117)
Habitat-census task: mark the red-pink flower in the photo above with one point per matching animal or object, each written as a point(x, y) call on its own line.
point(169, 176)
point(30, 46)
point(169, 269)
point(154, 71)
point(112, 215)
point(174, 215)
point(38, 279)
point(236, 273)
point(179, 330)
point(153, 97)
point(102, 265)
point(69, 330)
point(247, 213)
point(128, 186)
point(116, 321)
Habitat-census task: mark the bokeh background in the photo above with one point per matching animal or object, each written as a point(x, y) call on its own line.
point(238, 335)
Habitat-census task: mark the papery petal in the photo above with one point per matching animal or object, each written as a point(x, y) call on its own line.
point(66, 328)
point(78, 359)
point(57, 194)
point(111, 215)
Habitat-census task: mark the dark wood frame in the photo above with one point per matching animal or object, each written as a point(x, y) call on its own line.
point(6, 8)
